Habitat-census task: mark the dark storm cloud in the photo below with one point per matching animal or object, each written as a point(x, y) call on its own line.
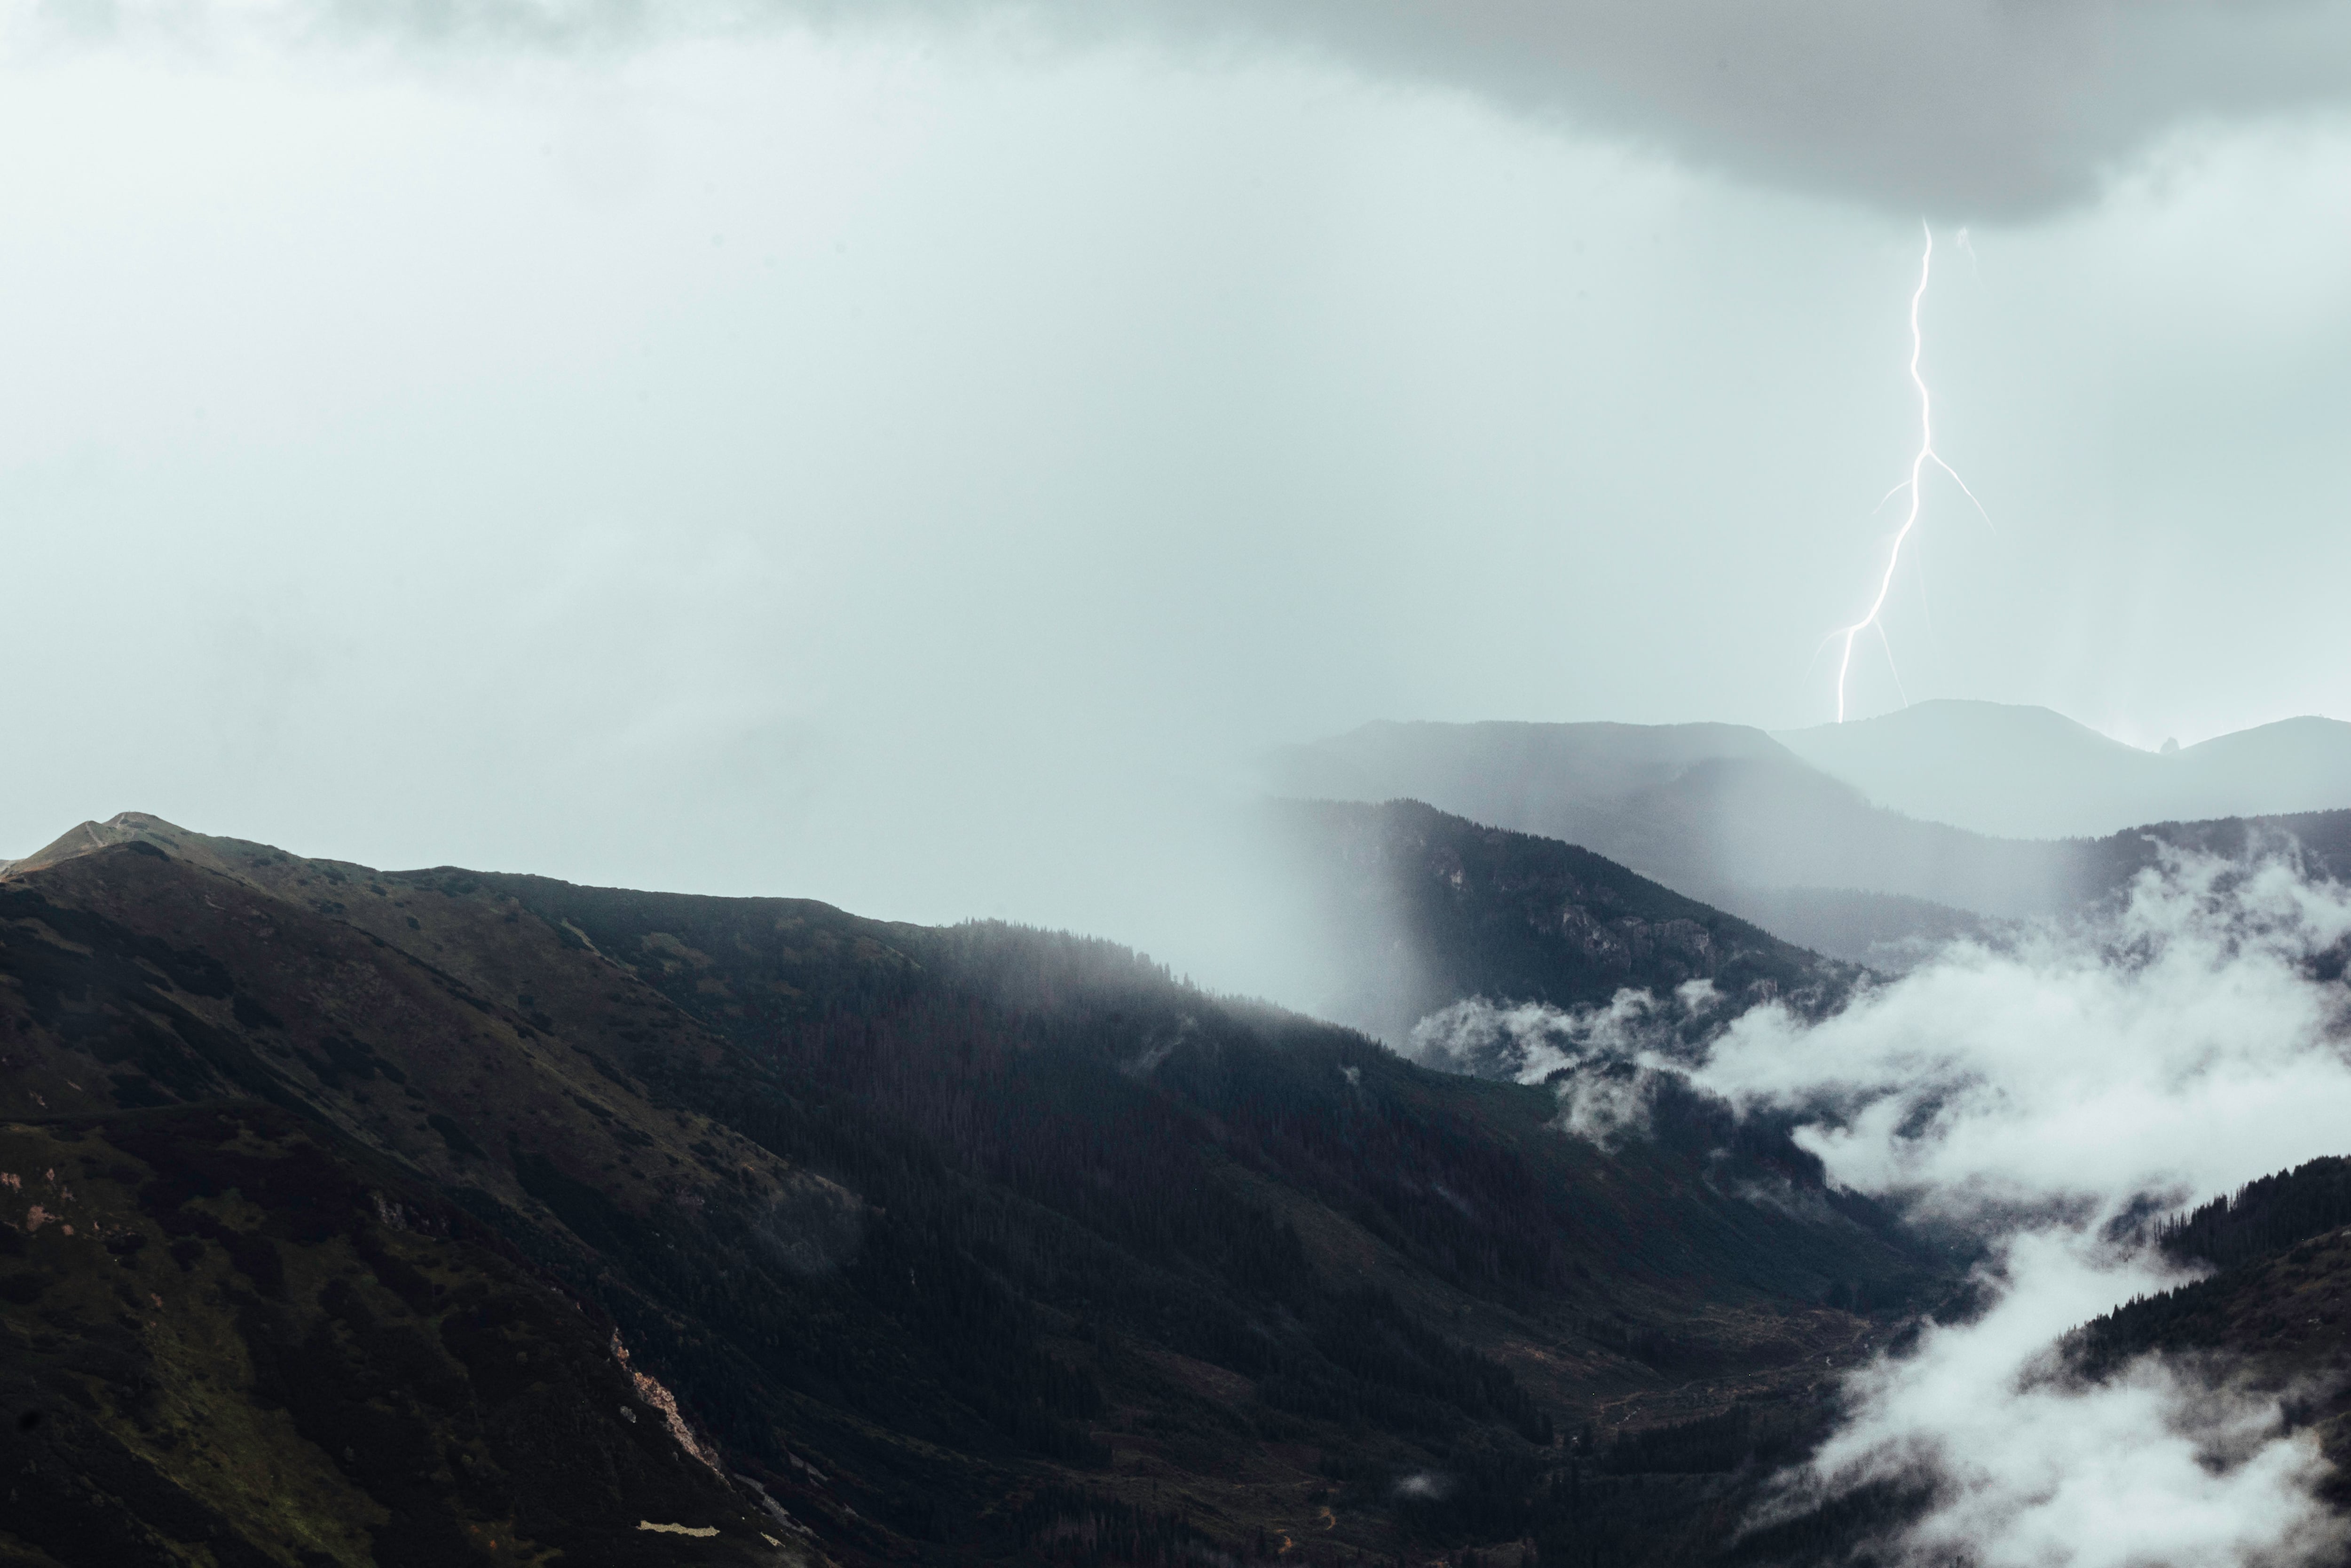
point(1958, 109)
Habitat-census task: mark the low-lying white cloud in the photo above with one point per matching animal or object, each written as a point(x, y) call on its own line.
point(1594, 1057)
point(2182, 1047)
point(1529, 1041)
point(2037, 1094)
point(2158, 1465)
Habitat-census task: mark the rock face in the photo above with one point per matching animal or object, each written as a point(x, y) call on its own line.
point(329, 1192)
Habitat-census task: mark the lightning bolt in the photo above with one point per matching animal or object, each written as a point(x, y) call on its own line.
point(1925, 455)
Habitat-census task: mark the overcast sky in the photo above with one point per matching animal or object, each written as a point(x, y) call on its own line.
point(888, 461)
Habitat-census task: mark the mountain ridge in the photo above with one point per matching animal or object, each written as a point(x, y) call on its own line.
point(1763, 834)
point(2023, 772)
point(955, 1241)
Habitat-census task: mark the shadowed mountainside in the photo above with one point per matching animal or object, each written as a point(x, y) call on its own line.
point(1428, 908)
point(955, 1245)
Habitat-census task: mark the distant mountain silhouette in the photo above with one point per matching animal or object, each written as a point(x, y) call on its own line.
point(1713, 812)
point(2029, 773)
point(1732, 816)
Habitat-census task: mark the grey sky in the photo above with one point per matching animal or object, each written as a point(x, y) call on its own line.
point(1964, 109)
point(896, 464)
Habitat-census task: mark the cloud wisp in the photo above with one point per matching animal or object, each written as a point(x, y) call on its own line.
point(1958, 109)
point(2027, 1467)
point(2185, 1046)
point(2038, 1097)
point(1602, 1062)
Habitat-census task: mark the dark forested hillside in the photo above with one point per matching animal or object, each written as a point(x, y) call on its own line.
point(2278, 1245)
point(2272, 1316)
point(2318, 841)
point(953, 1245)
point(2263, 1217)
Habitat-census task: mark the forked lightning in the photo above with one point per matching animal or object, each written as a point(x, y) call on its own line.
point(1925, 455)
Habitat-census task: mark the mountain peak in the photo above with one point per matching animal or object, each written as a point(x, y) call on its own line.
point(124, 828)
point(1961, 718)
